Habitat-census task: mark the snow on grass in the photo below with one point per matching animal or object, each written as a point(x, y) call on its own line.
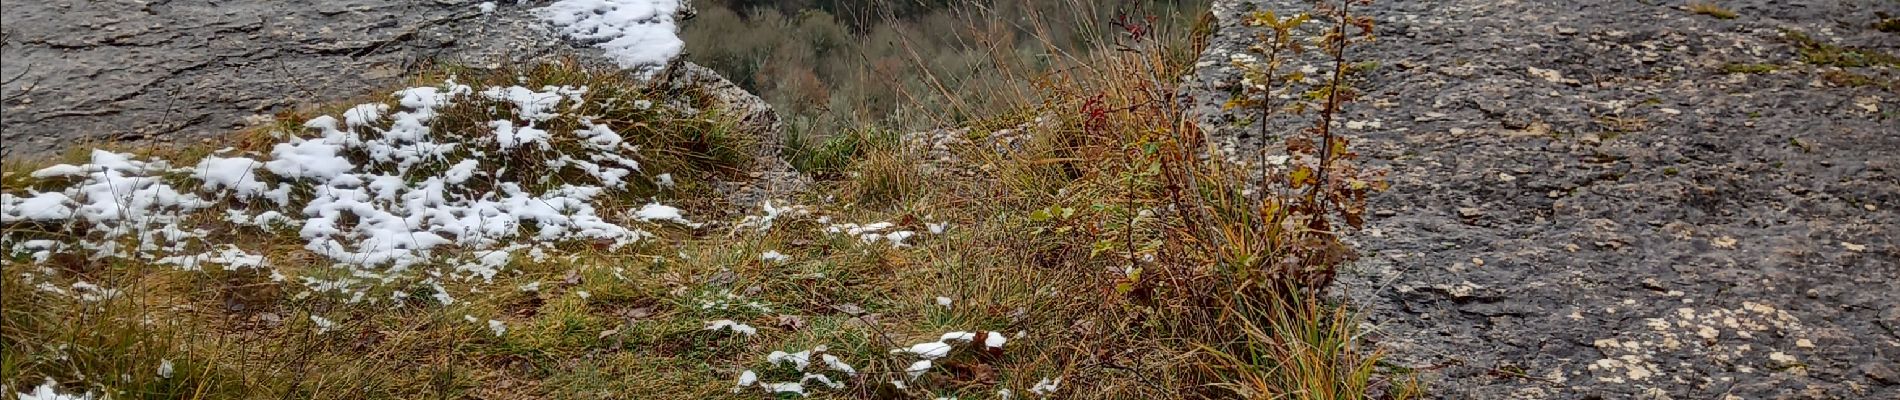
point(1046, 387)
point(801, 365)
point(323, 325)
point(380, 193)
point(637, 34)
point(945, 344)
point(873, 233)
point(498, 327)
point(735, 327)
point(660, 212)
point(50, 206)
point(50, 391)
point(927, 350)
point(772, 214)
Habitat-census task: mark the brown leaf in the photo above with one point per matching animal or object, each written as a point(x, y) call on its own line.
point(791, 322)
point(639, 313)
point(971, 373)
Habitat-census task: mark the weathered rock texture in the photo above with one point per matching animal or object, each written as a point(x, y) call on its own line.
point(169, 70)
point(1586, 205)
point(164, 71)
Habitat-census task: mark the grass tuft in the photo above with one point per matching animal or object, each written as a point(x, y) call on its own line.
point(1711, 9)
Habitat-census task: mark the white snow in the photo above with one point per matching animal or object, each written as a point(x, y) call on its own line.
point(637, 34)
point(497, 327)
point(236, 174)
point(659, 212)
point(958, 336)
point(364, 114)
point(374, 192)
point(774, 256)
point(784, 387)
point(943, 302)
point(837, 364)
point(799, 360)
point(918, 368)
point(746, 379)
point(50, 391)
point(487, 7)
point(994, 340)
point(734, 326)
point(461, 172)
point(1046, 387)
point(49, 206)
point(59, 171)
point(928, 350)
point(324, 325)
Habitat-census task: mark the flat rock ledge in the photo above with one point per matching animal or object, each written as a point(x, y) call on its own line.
point(1590, 201)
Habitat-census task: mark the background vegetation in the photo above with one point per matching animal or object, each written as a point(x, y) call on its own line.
point(835, 65)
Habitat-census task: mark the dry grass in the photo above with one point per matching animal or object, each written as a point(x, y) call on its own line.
point(1082, 240)
point(1711, 9)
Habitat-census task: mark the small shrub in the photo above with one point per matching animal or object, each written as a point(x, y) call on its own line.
point(886, 176)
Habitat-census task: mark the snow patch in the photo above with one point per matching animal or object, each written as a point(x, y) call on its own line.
point(637, 34)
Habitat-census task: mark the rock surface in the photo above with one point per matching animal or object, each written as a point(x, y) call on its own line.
point(1588, 203)
point(80, 71)
point(167, 71)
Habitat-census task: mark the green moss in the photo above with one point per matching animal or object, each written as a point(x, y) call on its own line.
point(1816, 52)
point(1745, 68)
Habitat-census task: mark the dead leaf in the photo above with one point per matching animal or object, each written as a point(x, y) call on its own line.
point(791, 322)
point(1854, 247)
point(971, 373)
point(1724, 242)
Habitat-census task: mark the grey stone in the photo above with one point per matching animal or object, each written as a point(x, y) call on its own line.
point(1656, 199)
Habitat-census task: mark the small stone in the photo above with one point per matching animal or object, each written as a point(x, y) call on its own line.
point(1880, 372)
point(1783, 359)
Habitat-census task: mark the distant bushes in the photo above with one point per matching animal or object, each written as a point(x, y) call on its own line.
point(836, 65)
